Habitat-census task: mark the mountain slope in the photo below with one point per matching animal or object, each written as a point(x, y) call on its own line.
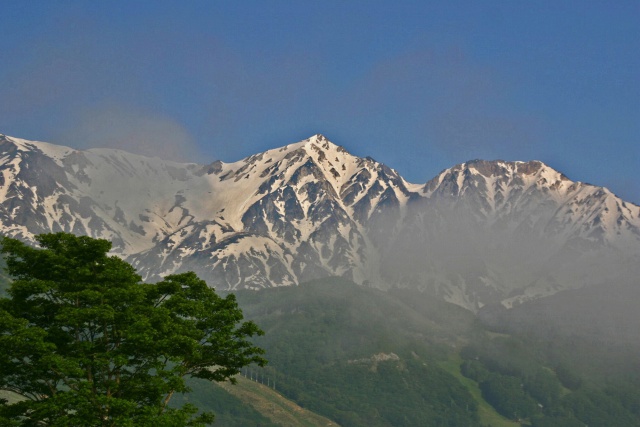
point(534, 197)
point(278, 409)
point(512, 231)
point(478, 233)
point(361, 356)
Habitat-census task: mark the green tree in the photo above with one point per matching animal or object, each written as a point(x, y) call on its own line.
point(506, 395)
point(544, 387)
point(86, 343)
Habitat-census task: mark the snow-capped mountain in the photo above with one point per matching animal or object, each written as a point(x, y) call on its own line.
point(510, 231)
point(477, 233)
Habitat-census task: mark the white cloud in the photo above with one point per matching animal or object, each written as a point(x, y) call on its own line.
point(132, 130)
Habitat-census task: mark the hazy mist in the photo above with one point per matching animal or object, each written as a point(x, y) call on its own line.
point(450, 249)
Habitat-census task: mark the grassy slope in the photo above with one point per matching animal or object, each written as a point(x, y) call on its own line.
point(488, 415)
point(247, 403)
point(273, 405)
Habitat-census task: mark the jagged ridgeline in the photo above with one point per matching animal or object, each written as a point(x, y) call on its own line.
point(479, 233)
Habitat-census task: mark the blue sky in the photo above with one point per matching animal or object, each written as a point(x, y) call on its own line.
point(419, 86)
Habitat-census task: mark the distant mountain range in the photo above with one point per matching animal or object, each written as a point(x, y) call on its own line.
point(479, 233)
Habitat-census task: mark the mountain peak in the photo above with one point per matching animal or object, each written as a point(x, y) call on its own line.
point(320, 141)
point(311, 209)
point(54, 151)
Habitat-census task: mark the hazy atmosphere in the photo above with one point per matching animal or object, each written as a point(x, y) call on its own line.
point(419, 86)
point(295, 213)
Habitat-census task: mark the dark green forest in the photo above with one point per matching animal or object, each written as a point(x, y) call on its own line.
point(365, 357)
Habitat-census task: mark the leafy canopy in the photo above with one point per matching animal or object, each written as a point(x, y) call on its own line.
point(85, 342)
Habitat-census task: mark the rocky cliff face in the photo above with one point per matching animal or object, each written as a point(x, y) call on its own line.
point(477, 233)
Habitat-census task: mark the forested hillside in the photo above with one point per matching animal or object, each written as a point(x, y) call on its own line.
point(364, 357)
